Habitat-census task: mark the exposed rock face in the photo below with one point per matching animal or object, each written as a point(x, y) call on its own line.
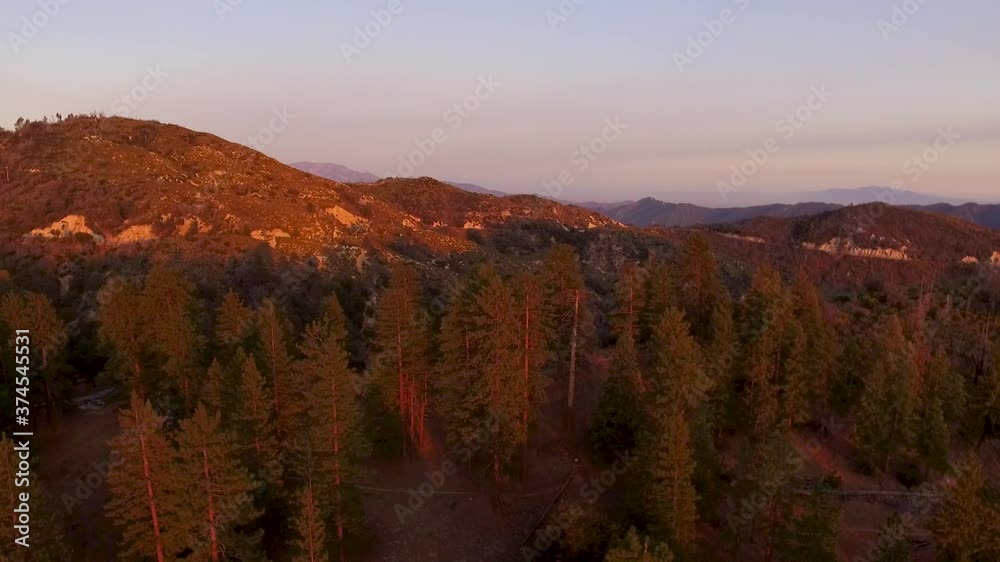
point(270, 236)
point(345, 217)
point(841, 246)
point(66, 227)
point(753, 239)
point(970, 259)
point(995, 260)
point(136, 233)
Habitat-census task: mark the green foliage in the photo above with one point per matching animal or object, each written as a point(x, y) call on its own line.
point(670, 495)
point(276, 364)
point(144, 487)
point(403, 364)
point(885, 420)
point(311, 544)
point(174, 337)
point(811, 533)
point(633, 547)
point(255, 428)
point(333, 430)
point(967, 524)
point(215, 508)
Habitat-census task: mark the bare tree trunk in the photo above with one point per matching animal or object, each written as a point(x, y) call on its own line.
point(211, 508)
point(572, 361)
point(527, 383)
point(335, 438)
point(151, 499)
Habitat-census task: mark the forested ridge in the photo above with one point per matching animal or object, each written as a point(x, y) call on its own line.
point(234, 360)
point(249, 424)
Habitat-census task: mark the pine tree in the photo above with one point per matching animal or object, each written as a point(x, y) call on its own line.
point(948, 385)
point(660, 293)
point(885, 421)
point(797, 382)
point(763, 324)
point(820, 338)
point(334, 412)
point(213, 389)
point(48, 336)
point(143, 487)
point(933, 434)
point(967, 524)
point(402, 336)
point(670, 493)
point(700, 283)
point(488, 402)
point(534, 340)
point(812, 532)
point(217, 510)
point(255, 428)
point(124, 331)
point(167, 297)
point(276, 364)
point(45, 538)
point(676, 372)
point(234, 322)
point(774, 467)
point(311, 544)
point(568, 317)
point(636, 548)
point(458, 364)
point(629, 298)
point(619, 419)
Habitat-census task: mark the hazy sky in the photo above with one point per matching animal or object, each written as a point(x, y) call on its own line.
point(227, 66)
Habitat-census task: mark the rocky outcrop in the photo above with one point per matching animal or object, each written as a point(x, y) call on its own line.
point(841, 246)
point(135, 234)
point(68, 226)
point(270, 236)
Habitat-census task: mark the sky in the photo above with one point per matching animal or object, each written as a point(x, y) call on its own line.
point(580, 99)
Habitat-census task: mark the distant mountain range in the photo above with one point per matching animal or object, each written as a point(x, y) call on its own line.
point(343, 174)
point(335, 172)
point(652, 212)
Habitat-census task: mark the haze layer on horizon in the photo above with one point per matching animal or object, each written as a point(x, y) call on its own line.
point(744, 96)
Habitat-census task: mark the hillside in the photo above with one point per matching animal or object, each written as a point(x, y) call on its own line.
point(653, 212)
point(877, 231)
point(113, 183)
point(335, 172)
point(985, 215)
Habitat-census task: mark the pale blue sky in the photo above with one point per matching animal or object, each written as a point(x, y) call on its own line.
point(609, 59)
